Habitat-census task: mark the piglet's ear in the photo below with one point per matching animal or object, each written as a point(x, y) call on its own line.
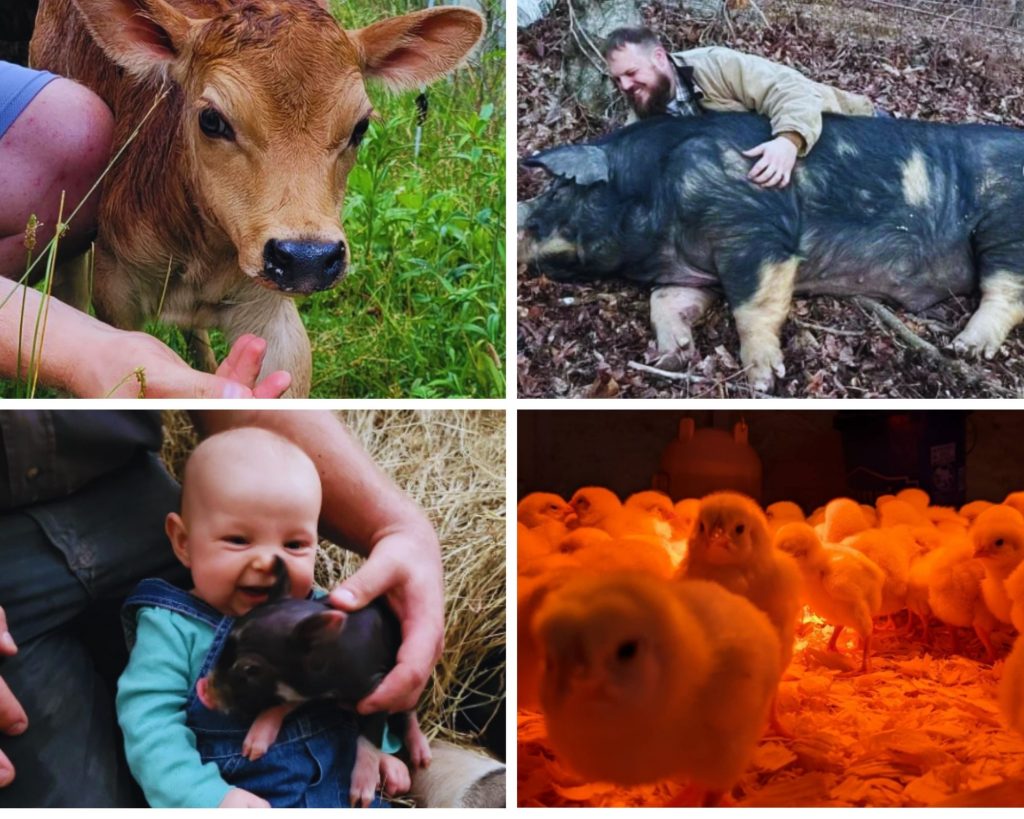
point(582, 164)
point(319, 627)
point(145, 37)
point(417, 48)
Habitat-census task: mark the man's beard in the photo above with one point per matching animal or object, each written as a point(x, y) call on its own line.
point(657, 100)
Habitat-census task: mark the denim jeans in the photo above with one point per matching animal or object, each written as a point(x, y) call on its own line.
point(65, 568)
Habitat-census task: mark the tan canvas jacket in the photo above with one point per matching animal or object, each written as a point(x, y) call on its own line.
point(731, 81)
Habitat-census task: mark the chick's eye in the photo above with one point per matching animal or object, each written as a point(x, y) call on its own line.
point(740, 528)
point(626, 651)
point(359, 132)
point(701, 527)
point(214, 125)
point(999, 543)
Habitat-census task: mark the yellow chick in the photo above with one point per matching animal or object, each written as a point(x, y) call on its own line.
point(594, 505)
point(900, 513)
point(547, 514)
point(601, 508)
point(531, 550)
point(730, 545)
point(782, 512)
point(667, 525)
point(1011, 688)
point(891, 550)
point(917, 498)
point(843, 517)
point(939, 549)
point(841, 585)
point(970, 511)
point(998, 538)
point(954, 591)
point(1014, 586)
point(627, 554)
point(646, 680)
point(1016, 500)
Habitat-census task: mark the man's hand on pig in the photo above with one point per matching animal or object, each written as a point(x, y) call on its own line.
point(13, 719)
point(410, 575)
point(238, 798)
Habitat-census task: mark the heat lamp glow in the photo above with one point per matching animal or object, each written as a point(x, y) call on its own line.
point(917, 706)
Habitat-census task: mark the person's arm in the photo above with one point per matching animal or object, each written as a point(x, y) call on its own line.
point(789, 99)
point(152, 695)
point(89, 359)
point(13, 720)
point(366, 512)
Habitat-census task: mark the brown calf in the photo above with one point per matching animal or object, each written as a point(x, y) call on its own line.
point(235, 183)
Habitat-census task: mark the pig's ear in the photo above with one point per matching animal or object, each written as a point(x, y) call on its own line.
point(316, 628)
point(145, 37)
point(417, 48)
point(582, 164)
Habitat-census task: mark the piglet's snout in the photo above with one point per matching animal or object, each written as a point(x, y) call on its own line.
point(303, 266)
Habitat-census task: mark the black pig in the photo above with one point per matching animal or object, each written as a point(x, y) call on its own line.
point(909, 211)
point(287, 651)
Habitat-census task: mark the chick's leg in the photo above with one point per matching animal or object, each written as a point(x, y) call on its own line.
point(835, 636)
point(865, 663)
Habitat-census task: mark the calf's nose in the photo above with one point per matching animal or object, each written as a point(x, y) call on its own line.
point(301, 266)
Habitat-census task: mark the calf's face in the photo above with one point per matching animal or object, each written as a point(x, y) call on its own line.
point(273, 107)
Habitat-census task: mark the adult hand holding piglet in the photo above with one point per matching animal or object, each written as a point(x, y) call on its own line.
point(13, 720)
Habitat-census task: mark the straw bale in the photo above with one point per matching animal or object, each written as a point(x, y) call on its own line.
point(452, 463)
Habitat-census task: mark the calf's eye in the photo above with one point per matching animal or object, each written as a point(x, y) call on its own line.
point(214, 125)
point(359, 131)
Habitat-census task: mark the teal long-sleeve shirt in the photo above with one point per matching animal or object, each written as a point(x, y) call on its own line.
point(152, 695)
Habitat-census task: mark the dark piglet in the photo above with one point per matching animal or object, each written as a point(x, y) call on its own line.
point(286, 652)
point(908, 211)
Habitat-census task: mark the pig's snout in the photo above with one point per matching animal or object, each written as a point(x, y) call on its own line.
point(303, 266)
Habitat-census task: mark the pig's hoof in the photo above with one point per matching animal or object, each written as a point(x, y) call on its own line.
point(762, 369)
point(975, 344)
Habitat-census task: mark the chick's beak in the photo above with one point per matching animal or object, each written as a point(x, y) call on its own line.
point(718, 540)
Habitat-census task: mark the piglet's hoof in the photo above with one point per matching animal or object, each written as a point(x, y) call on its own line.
point(365, 775)
point(394, 775)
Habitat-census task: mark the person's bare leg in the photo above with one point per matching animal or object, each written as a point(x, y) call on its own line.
point(60, 142)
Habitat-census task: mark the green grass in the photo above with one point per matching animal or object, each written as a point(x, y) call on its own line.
point(421, 313)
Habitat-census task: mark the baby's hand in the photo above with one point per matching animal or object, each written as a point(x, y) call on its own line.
point(237, 798)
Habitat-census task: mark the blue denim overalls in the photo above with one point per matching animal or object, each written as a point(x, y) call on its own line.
point(310, 763)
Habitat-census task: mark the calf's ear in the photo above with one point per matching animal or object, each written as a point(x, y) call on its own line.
point(582, 164)
point(144, 37)
point(417, 48)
